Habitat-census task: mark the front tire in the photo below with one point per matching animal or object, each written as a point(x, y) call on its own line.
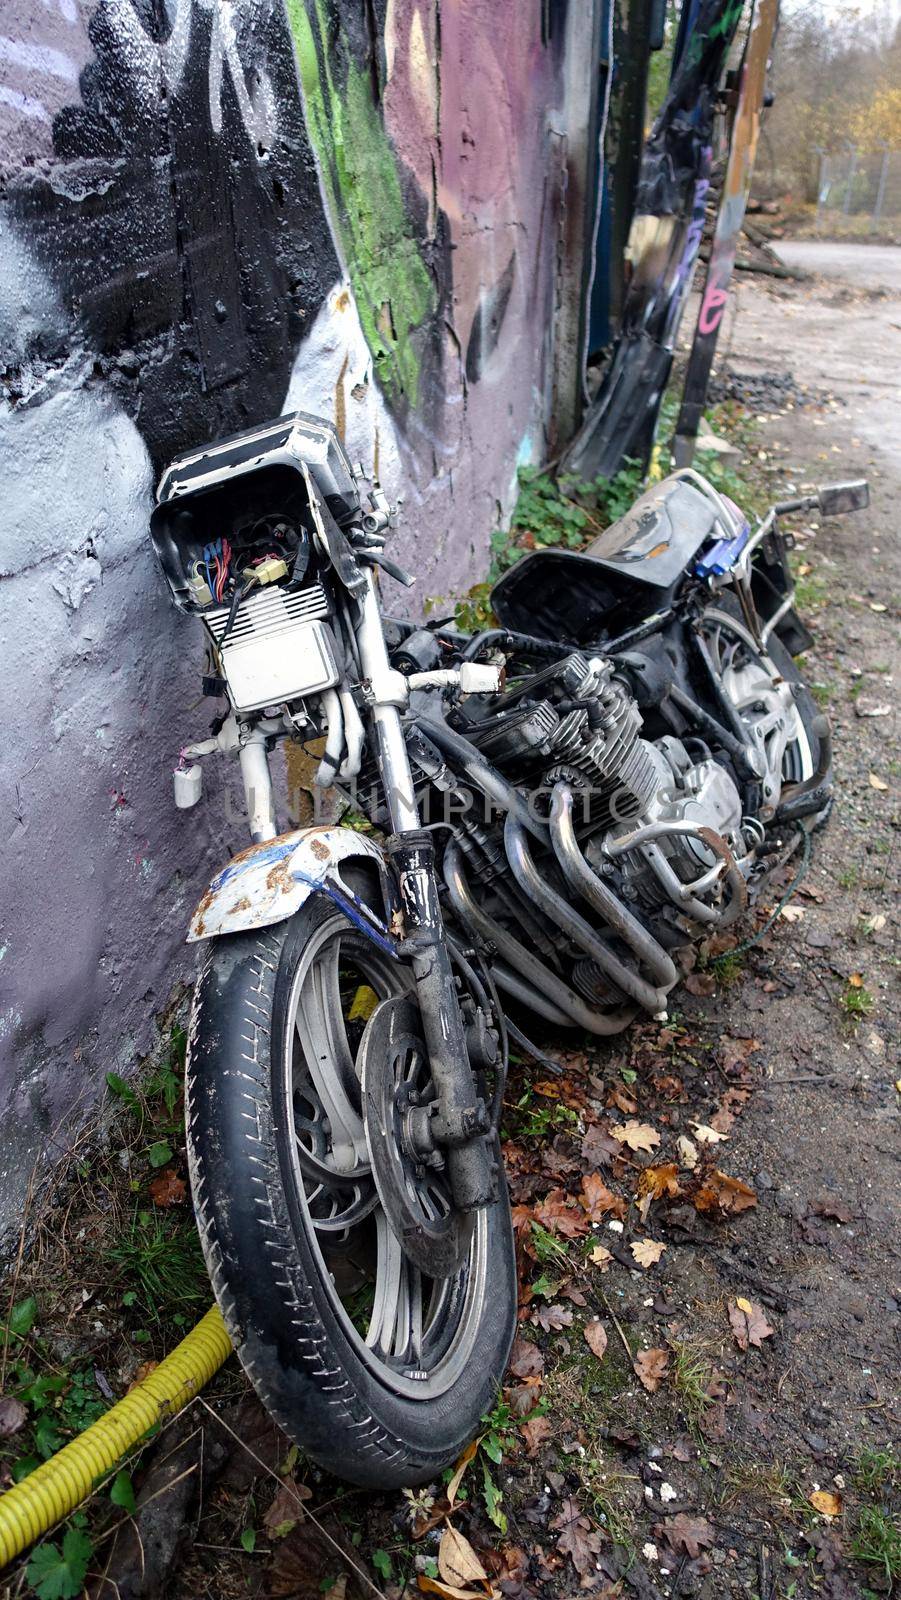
point(376, 1372)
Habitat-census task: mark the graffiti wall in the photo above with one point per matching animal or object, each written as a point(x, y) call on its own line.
point(213, 211)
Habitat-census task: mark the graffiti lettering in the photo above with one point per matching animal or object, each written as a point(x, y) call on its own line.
point(712, 307)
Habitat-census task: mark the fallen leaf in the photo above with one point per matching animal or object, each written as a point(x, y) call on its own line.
point(650, 1366)
point(557, 1216)
point(647, 1252)
point(141, 1372)
point(688, 1151)
point(168, 1189)
point(449, 1591)
point(286, 1510)
point(598, 1200)
point(458, 1563)
point(596, 1338)
point(600, 1257)
point(637, 1135)
point(707, 1135)
point(577, 1538)
point(598, 1147)
point(719, 1192)
point(833, 1209)
point(734, 1052)
point(526, 1360)
point(877, 783)
point(856, 981)
point(536, 1431)
point(685, 1534)
point(791, 913)
point(827, 1503)
point(12, 1415)
point(700, 983)
point(659, 1181)
point(749, 1325)
point(552, 1318)
point(456, 1479)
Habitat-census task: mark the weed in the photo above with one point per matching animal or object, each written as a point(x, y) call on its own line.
point(606, 1491)
point(822, 692)
point(692, 1377)
point(773, 1483)
point(875, 1470)
point(877, 1541)
point(849, 878)
point(529, 1120)
point(856, 1001)
point(167, 1266)
point(727, 968)
point(563, 511)
point(549, 1250)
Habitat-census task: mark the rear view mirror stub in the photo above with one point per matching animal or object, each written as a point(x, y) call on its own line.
point(834, 499)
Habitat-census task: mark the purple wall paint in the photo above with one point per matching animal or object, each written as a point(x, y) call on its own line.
point(176, 263)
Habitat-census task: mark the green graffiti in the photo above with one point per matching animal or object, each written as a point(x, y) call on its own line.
point(394, 291)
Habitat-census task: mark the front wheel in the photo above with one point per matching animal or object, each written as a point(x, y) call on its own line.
point(380, 1373)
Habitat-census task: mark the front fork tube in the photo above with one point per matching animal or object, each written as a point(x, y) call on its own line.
point(459, 1123)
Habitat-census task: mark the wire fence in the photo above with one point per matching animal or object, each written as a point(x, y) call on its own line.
point(859, 190)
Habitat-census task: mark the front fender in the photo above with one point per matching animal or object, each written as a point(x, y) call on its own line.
point(270, 881)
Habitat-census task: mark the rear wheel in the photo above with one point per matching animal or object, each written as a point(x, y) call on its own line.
point(378, 1371)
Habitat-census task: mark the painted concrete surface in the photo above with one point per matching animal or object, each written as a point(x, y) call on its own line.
point(212, 211)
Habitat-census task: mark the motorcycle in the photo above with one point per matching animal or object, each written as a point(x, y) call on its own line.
point(544, 817)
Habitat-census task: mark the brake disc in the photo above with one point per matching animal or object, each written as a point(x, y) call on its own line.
point(411, 1181)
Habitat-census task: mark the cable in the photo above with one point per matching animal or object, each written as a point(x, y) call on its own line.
point(748, 944)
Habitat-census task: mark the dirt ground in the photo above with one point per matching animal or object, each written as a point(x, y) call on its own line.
point(725, 1419)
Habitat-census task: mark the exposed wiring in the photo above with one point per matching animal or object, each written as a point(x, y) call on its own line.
point(748, 944)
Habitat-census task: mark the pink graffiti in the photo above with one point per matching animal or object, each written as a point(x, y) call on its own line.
point(712, 307)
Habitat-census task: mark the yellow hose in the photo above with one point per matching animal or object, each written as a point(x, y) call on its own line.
point(55, 1488)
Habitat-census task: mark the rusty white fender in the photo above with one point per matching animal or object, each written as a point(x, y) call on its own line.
point(270, 881)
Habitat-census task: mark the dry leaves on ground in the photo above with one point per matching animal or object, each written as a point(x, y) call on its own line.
point(647, 1252)
point(637, 1135)
point(12, 1415)
point(650, 1367)
point(555, 1214)
point(286, 1510)
point(600, 1257)
point(526, 1360)
point(686, 1535)
point(578, 1539)
point(749, 1325)
point(596, 1337)
point(826, 1502)
point(168, 1189)
point(598, 1200)
point(458, 1563)
point(536, 1431)
point(719, 1192)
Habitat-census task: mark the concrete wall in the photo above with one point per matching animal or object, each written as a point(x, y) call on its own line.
point(212, 211)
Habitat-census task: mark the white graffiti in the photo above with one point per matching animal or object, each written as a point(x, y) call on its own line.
point(151, 64)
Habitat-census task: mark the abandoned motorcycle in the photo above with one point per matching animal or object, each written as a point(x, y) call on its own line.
point(617, 767)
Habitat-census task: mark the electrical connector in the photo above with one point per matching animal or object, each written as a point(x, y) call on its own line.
point(267, 571)
point(200, 590)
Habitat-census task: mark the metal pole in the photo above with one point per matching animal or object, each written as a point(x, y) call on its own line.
point(821, 184)
point(880, 192)
point(852, 172)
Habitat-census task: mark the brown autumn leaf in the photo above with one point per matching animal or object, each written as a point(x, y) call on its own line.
point(596, 1337)
point(12, 1415)
point(647, 1252)
point(600, 1257)
point(458, 1563)
point(526, 1360)
point(168, 1189)
point(557, 1216)
point(578, 1539)
point(700, 983)
point(686, 1535)
point(448, 1591)
point(826, 1502)
point(833, 1209)
point(453, 1487)
point(598, 1200)
point(637, 1135)
point(719, 1192)
point(650, 1366)
point(598, 1146)
point(286, 1509)
point(552, 1318)
point(659, 1181)
point(734, 1052)
point(749, 1325)
point(141, 1372)
point(536, 1431)
point(619, 1096)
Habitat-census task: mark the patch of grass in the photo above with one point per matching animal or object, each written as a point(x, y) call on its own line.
point(877, 1541)
point(163, 1265)
point(771, 1483)
point(876, 1469)
point(823, 693)
point(850, 878)
point(692, 1377)
point(533, 1119)
point(606, 1490)
point(856, 1001)
point(727, 968)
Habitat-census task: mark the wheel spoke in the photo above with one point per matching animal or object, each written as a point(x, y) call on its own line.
point(323, 1040)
